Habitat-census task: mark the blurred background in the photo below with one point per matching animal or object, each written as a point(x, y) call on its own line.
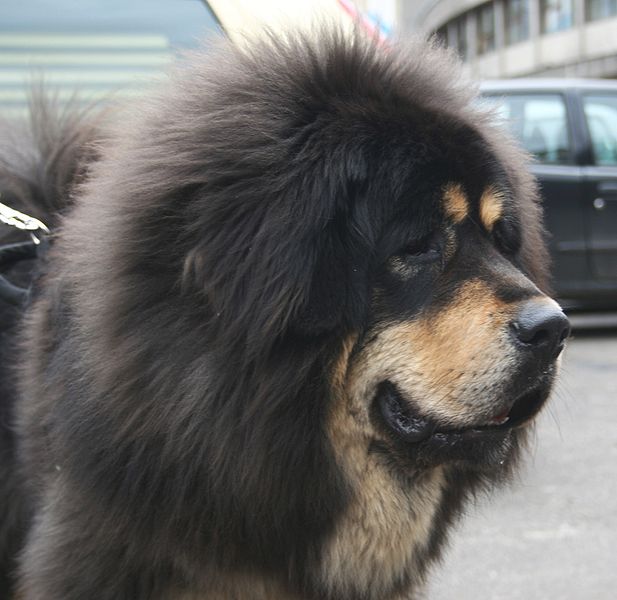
point(513, 38)
point(547, 69)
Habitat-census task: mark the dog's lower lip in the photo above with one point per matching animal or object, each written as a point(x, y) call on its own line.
point(526, 406)
point(414, 429)
point(523, 409)
point(411, 428)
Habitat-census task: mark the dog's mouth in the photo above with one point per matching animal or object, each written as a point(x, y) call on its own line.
point(411, 427)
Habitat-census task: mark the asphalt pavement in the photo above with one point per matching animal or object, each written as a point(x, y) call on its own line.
point(552, 534)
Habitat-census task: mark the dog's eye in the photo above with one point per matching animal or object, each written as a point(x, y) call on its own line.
point(506, 236)
point(423, 250)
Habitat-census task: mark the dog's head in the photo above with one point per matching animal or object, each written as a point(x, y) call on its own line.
point(375, 205)
point(362, 279)
point(460, 348)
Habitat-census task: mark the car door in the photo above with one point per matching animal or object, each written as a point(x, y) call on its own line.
point(600, 115)
point(542, 121)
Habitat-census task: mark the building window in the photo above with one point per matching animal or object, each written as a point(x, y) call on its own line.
point(517, 21)
point(441, 36)
point(556, 15)
point(461, 37)
point(486, 28)
point(600, 9)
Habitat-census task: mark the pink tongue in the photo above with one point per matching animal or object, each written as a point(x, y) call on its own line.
point(501, 419)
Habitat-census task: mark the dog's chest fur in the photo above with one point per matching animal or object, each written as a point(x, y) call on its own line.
point(379, 545)
point(376, 550)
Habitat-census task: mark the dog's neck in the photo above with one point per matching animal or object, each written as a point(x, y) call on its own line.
point(238, 587)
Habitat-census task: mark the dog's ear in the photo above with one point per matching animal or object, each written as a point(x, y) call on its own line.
point(338, 293)
point(340, 247)
point(292, 261)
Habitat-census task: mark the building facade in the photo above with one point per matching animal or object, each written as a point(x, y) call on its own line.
point(514, 38)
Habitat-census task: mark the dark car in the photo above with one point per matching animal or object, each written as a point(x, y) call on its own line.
point(570, 126)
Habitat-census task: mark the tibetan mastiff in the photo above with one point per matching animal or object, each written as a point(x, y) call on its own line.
point(293, 314)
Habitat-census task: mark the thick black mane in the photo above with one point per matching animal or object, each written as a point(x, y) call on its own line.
point(182, 347)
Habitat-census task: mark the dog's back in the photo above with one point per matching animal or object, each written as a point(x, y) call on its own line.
point(39, 162)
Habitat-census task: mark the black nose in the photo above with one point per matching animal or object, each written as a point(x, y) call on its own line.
point(542, 327)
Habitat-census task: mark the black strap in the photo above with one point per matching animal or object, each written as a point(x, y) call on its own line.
point(12, 294)
point(12, 253)
point(15, 252)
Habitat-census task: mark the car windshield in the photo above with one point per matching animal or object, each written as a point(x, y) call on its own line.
point(92, 47)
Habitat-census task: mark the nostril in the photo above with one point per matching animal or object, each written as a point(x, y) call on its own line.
point(534, 336)
point(539, 337)
point(541, 325)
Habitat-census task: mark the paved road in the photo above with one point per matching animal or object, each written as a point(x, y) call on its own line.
point(553, 534)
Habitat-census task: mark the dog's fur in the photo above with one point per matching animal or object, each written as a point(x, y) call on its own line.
point(246, 262)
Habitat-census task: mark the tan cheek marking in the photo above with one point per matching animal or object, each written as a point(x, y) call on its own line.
point(442, 360)
point(456, 205)
point(339, 372)
point(450, 342)
point(491, 208)
point(385, 526)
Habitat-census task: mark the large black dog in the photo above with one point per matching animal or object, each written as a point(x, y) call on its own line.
point(292, 316)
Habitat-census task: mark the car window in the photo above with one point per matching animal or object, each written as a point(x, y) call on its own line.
point(540, 122)
point(601, 115)
point(92, 46)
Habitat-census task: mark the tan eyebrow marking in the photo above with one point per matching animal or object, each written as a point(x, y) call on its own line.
point(456, 204)
point(491, 207)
